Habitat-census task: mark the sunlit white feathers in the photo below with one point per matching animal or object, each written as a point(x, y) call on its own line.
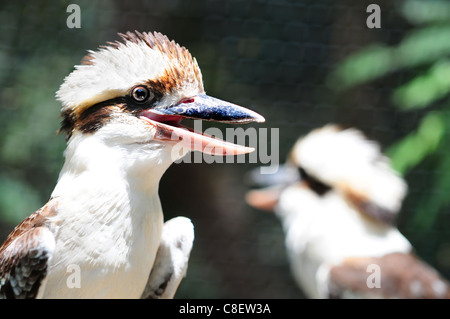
point(348, 161)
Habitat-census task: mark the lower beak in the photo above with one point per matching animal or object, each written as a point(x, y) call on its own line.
point(200, 107)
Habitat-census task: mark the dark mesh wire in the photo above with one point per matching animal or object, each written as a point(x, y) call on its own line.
point(271, 56)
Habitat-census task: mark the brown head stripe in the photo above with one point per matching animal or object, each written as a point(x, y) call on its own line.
point(93, 117)
point(317, 186)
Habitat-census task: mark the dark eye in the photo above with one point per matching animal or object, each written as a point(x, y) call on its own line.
point(140, 94)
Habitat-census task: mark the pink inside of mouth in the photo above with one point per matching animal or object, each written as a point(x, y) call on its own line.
point(172, 120)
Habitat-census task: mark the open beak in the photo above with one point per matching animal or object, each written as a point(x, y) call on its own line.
point(200, 107)
point(272, 185)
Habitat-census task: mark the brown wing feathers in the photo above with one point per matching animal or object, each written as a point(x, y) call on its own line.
point(24, 255)
point(400, 276)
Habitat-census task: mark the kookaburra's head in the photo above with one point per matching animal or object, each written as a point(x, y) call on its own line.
point(343, 161)
point(132, 95)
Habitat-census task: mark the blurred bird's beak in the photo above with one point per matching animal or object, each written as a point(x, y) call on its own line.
point(266, 198)
point(200, 107)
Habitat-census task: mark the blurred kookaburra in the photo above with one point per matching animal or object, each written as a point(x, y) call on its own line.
point(337, 198)
point(121, 112)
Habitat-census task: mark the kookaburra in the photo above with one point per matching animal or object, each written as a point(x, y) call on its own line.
point(121, 113)
point(337, 198)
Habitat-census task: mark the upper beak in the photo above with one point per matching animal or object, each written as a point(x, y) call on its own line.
point(201, 107)
point(204, 107)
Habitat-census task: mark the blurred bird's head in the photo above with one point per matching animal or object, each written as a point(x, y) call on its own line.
point(134, 93)
point(332, 159)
